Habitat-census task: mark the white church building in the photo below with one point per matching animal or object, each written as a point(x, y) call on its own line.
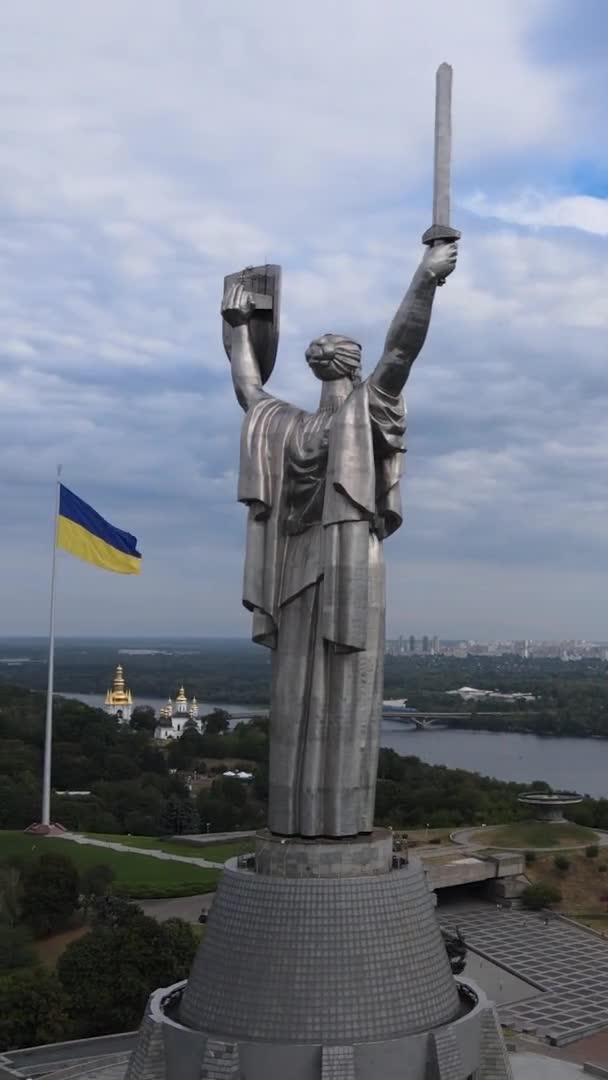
point(174, 716)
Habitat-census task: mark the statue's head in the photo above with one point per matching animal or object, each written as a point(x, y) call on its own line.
point(335, 356)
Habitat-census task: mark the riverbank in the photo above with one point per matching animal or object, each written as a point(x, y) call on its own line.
point(562, 761)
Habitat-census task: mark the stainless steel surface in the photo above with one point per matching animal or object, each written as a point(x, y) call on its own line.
point(440, 230)
point(323, 493)
point(443, 145)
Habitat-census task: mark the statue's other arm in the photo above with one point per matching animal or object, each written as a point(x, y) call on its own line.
point(408, 329)
point(237, 308)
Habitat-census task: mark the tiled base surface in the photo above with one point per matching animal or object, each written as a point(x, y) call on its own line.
point(321, 979)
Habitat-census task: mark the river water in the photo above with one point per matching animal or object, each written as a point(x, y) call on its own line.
point(566, 763)
point(574, 764)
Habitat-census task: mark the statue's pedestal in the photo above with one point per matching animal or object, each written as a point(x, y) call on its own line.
point(295, 857)
point(324, 962)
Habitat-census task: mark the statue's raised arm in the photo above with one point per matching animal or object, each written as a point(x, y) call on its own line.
point(408, 329)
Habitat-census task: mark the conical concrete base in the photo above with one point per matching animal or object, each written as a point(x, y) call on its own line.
point(322, 978)
point(319, 960)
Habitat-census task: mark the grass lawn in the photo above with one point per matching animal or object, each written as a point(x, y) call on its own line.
point(139, 876)
point(596, 922)
point(213, 852)
point(535, 834)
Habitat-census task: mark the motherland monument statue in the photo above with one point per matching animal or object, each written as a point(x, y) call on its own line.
point(323, 492)
point(322, 957)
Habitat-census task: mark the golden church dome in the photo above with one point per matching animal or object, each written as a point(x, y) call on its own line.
point(119, 694)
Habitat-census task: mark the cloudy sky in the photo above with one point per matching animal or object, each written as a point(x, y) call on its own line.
point(151, 146)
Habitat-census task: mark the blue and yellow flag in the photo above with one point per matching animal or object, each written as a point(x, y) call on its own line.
point(84, 533)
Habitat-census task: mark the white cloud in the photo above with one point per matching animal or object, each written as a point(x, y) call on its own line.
point(150, 148)
point(541, 210)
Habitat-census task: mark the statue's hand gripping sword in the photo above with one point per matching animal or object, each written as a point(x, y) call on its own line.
point(441, 230)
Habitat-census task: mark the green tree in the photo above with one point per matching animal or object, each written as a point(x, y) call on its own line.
point(179, 816)
point(15, 948)
point(109, 973)
point(33, 1009)
point(231, 789)
point(112, 911)
point(216, 722)
point(182, 942)
point(540, 895)
point(182, 753)
point(18, 801)
point(143, 718)
point(138, 824)
point(96, 881)
point(11, 894)
point(50, 893)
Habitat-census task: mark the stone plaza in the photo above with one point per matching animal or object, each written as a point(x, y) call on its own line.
point(566, 963)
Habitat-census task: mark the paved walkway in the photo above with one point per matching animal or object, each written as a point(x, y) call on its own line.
point(187, 908)
point(537, 1067)
point(567, 963)
point(155, 853)
point(202, 839)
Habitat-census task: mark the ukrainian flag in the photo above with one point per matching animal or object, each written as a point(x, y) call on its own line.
point(84, 533)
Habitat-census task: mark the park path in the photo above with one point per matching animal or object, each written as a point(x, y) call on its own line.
point(155, 853)
point(187, 908)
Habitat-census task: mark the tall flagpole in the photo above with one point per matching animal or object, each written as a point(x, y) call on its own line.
point(48, 731)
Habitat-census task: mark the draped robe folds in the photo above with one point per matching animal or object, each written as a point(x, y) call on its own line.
point(323, 492)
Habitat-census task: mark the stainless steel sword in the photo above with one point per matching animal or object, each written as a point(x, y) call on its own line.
point(441, 230)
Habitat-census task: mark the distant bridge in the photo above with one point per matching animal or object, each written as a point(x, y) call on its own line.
point(425, 720)
point(401, 716)
point(421, 720)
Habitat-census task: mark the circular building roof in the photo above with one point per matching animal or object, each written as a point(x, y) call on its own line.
point(549, 798)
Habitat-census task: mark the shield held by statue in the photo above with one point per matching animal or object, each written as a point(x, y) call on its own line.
point(264, 283)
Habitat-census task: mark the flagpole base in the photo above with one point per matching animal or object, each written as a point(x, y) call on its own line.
point(54, 829)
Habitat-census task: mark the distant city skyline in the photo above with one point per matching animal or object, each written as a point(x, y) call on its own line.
point(527, 648)
point(141, 644)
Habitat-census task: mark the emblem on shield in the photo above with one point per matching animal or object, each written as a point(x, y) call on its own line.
point(264, 283)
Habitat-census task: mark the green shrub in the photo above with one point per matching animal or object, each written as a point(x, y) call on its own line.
point(15, 948)
point(150, 891)
point(530, 857)
point(592, 851)
point(50, 893)
point(540, 895)
point(602, 868)
point(34, 1009)
point(561, 863)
